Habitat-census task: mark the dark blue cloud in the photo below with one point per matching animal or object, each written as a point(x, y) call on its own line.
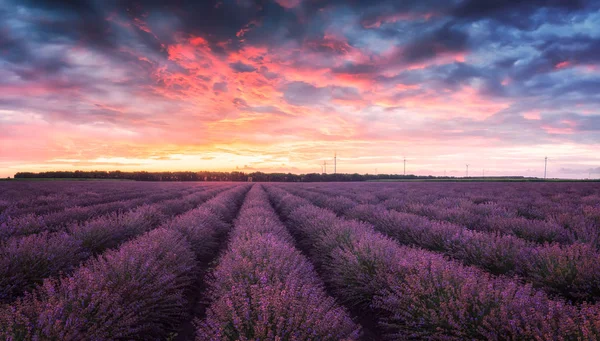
point(241, 67)
point(446, 39)
point(515, 12)
point(356, 69)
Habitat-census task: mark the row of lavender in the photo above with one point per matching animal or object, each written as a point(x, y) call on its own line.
point(17, 191)
point(60, 219)
point(417, 293)
point(19, 198)
point(569, 270)
point(61, 202)
point(26, 260)
point(263, 288)
point(563, 213)
point(138, 291)
point(21, 194)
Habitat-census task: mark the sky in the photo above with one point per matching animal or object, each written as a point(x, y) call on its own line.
point(282, 85)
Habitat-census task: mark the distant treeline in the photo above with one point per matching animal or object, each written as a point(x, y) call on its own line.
point(228, 176)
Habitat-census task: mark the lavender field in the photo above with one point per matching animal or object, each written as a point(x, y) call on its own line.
point(111, 260)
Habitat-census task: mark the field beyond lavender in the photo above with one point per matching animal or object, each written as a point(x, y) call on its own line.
point(115, 260)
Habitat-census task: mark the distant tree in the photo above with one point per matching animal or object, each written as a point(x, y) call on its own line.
point(233, 176)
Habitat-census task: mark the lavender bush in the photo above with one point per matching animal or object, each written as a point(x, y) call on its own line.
point(136, 290)
point(25, 262)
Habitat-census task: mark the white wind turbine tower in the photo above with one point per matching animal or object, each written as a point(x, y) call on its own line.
point(335, 163)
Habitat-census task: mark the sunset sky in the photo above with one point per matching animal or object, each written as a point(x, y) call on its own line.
point(282, 85)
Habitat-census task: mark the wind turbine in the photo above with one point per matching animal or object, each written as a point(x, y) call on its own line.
point(335, 163)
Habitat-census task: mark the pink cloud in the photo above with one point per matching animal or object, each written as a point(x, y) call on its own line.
point(288, 3)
